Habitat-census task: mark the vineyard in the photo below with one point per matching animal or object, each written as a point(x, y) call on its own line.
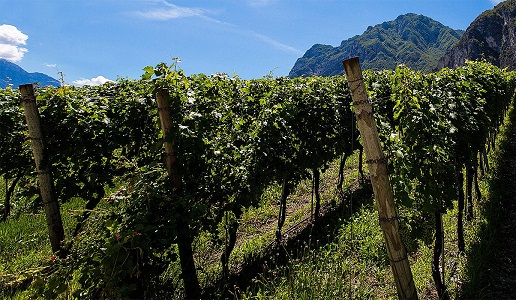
point(155, 171)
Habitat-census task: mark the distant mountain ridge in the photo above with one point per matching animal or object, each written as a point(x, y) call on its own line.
point(11, 73)
point(414, 40)
point(491, 36)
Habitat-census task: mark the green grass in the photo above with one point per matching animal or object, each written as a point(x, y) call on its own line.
point(25, 239)
point(353, 265)
point(24, 245)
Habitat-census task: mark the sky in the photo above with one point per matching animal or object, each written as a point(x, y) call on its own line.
point(91, 41)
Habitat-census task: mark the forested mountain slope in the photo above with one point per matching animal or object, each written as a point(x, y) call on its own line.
point(414, 40)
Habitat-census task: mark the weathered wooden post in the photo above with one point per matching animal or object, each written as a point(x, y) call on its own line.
point(166, 125)
point(184, 238)
point(46, 184)
point(377, 163)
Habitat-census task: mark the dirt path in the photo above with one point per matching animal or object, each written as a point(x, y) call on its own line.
point(502, 269)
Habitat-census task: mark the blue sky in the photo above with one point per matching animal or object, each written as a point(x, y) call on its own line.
point(89, 40)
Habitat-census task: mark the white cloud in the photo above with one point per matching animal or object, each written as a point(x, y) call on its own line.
point(99, 80)
point(170, 12)
point(11, 52)
point(276, 44)
point(259, 3)
point(11, 40)
point(495, 2)
point(9, 34)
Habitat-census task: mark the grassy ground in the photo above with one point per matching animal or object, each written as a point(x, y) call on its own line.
point(352, 263)
point(24, 246)
point(490, 271)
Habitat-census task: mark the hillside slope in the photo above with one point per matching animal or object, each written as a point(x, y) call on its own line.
point(11, 73)
point(414, 40)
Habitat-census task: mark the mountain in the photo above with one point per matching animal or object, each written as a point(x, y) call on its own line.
point(414, 40)
point(492, 36)
point(11, 73)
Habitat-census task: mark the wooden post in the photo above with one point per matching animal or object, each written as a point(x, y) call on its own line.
point(380, 180)
point(46, 184)
point(184, 237)
point(166, 125)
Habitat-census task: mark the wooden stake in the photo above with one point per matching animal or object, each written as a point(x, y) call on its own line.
point(380, 180)
point(184, 237)
point(46, 184)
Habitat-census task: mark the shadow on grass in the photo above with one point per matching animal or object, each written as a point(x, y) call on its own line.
point(323, 232)
point(480, 269)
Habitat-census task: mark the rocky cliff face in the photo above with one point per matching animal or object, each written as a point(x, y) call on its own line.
point(414, 40)
point(491, 36)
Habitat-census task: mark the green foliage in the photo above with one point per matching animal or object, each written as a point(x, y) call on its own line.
point(124, 249)
point(26, 253)
point(15, 155)
point(433, 124)
point(422, 160)
point(233, 139)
